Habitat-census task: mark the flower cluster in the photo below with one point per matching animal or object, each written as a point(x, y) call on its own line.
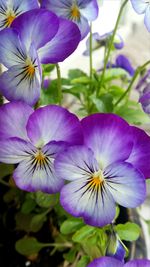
point(97, 162)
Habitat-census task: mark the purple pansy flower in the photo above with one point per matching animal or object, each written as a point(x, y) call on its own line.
point(32, 140)
point(115, 248)
point(123, 63)
point(102, 40)
point(143, 87)
point(25, 45)
point(79, 11)
point(143, 7)
point(10, 9)
point(111, 262)
point(108, 169)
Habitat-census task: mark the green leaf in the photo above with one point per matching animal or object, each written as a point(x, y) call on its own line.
point(75, 73)
point(128, 231)
point(81, 80)
point(28, 246)
point(82, 233)
point(47, 68)
point(37, 222)
point(49, 95)
point(23, 221)
point(71, 225)
point(71, 255)
point(28, 206)
point(46, 200)
point(133, 113)
point(83, 261)
point(114, 73)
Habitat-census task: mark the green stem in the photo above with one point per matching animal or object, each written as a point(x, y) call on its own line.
point(110, 45)
point(137, 72)
point(66, 245)
point(59, 86)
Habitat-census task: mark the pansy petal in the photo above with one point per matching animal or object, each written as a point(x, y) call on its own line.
point(54, 123)
point(33, 22)
point(126, 184)
point(14, 150)
point(59, 7)
point(140, 155)
point(109, 136)
point(145, 100)
point(89, 10)
point(11, 48)
point(75, 163)
point(24, 5)
point(105, 262)
point(13, 119)
point(147, 18)
point(96, 207)
point(138, 263)
point(33, 176)
point(22, 81)
point(83, 27)
point(14, 89)
point(62, 45)
point(139, 5)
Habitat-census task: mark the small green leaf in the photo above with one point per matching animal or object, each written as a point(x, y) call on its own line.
point(28, 206)
point(82, 233)
point(46, 200)
point(71, 225)
point(28, 246)
point(37, 222)
point(48, 68)
point(81, 80)
point(128, 231)
point(70, 256)
point(75, 73)
point(83, 261)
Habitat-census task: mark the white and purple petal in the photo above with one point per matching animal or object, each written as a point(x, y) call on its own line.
point(12, 51)
point(88, 9)
point(96, 208)
point(22, 82)
point(21, 6)
point(106, 262)
point(54, 123)
point(109, 137)
point(14, 150)
point(140, 155)
point(147, 18)
point(13, 119)
point(140, 5)
point(33, 175)
point(75, 163)
point(62, 45)
point(33, 22)
point(126, 184)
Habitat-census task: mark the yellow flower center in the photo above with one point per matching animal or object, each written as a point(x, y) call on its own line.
point(40, 158)
point(10, 18)
point(75, 13)
point(29, 69)
point(97, 180)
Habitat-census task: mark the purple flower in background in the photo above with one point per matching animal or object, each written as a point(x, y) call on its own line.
point(32, 140)
point(109, 168)
point(123, 63)
point(143, 7)
point(10, 9)
point(143, 87)
point(79, 11)
point(25, 45)
point(102, 40)
point(111, 262)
